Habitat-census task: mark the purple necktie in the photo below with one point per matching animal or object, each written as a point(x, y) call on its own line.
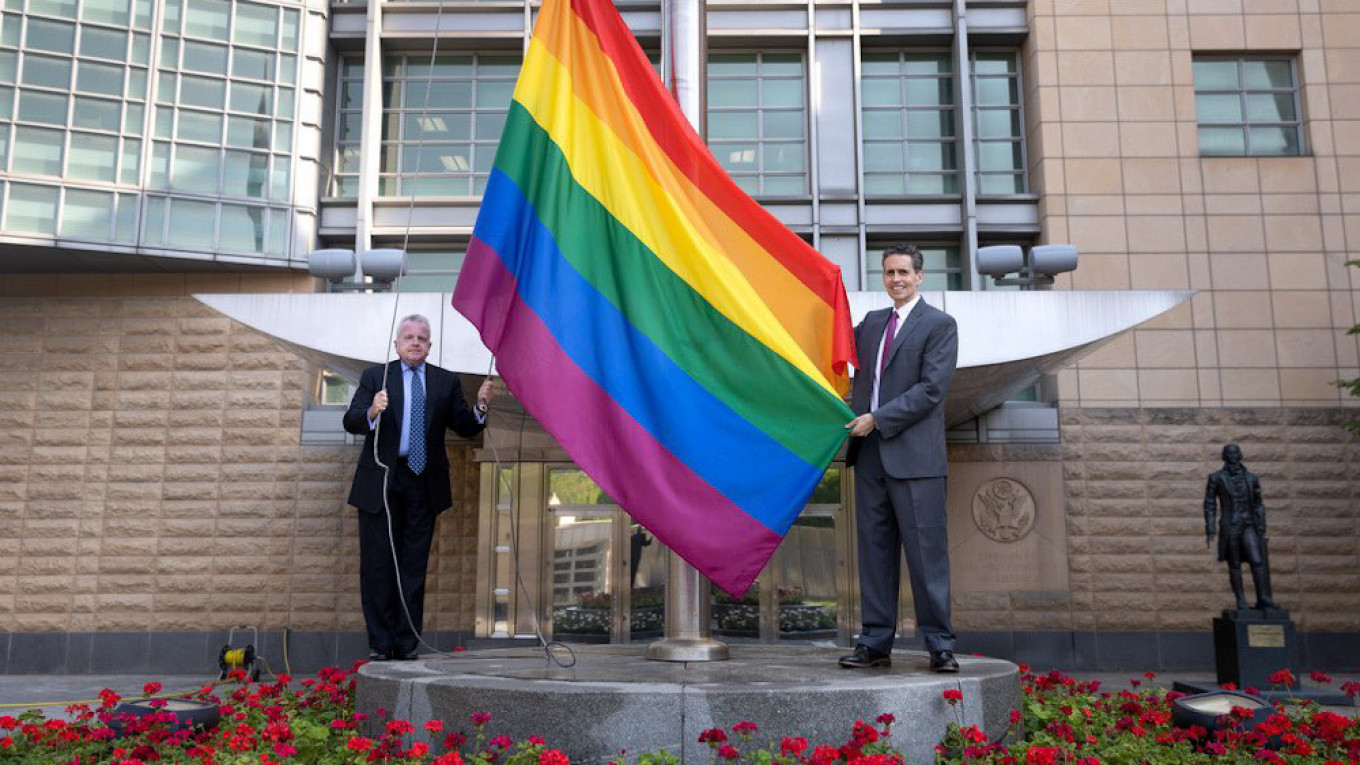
point(887, 342)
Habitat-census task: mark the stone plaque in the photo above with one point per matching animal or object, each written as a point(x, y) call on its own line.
point(1003, 509)
point(1265, 635)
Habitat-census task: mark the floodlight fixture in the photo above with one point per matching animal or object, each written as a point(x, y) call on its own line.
point(1212, 711)
point(384, 265)
point(333, 265)
point(1037, 266)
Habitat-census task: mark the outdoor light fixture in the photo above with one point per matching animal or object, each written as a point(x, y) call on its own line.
point(1038, 266)
point(1208, 710)
point(999, 260)
point(383, 266)
point(332, 265)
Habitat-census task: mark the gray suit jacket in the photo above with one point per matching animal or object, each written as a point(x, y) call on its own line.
point(910, 414)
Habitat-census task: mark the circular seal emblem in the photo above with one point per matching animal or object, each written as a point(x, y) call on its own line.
point(1003, 509)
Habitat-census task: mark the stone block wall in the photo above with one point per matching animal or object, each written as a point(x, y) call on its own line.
point(152, 477)
point(1134, 482)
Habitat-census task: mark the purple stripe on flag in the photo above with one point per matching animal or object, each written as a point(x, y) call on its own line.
point(639, 473)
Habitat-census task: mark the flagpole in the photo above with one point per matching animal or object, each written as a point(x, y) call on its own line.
point(688, 594)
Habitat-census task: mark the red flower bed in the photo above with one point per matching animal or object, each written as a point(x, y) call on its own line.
point(314, 722)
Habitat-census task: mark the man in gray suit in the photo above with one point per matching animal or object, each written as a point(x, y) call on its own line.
point(907, 355)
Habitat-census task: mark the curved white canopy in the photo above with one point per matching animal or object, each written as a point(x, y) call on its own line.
point(1007, 340)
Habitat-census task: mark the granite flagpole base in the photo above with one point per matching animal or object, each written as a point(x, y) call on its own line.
point(615, 700)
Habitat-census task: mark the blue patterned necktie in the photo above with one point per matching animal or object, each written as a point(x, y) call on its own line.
point(415, 456)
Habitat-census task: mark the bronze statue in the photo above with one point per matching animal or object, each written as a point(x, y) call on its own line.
point(1241, 526)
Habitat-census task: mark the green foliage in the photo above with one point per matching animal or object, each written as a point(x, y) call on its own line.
point(1352, 386)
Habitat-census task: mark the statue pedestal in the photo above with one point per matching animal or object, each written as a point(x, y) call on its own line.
point(1251, 645)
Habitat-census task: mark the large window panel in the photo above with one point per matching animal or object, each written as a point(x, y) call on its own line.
point(348, 125)
point(92, 157)
point(31, 209)
point(38, 151)
point(442, 120)
point(997, 123)
point(1247, 106)
point(757, 113)
point(87, 214)
point(908, 123)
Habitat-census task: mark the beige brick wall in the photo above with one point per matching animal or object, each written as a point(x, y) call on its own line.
point(152, 477)
point(1114, 155)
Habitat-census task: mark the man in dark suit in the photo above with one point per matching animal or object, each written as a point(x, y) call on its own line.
point(907, 355)
point(405, 406)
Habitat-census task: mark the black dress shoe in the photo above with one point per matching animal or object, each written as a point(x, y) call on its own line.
point(943, 661)
point(412, 656)
point(864, 656)
point(377, 655)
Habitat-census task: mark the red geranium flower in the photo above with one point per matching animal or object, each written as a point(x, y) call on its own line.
point(713, 736)
point(553, 757)
point(1283, 677)
point(744, 728)
point(728, 752)
point(793, 746)
point(953, 696)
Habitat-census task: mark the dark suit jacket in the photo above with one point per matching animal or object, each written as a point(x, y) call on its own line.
point(445, 409)
point(910, 414)
point(1241, 504)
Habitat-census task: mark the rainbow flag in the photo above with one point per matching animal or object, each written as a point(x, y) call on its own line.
point(686, 349)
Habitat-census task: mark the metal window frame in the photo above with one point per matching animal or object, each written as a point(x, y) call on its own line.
point(1242, 91)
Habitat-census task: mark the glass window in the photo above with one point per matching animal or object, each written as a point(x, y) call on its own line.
point(998, 139)
point(252, 64)
point(191, 224)
point(1247, 106)
point(430, 271)
point(104, 79)
point(245, 173)
point(31, 209)
point(103, 43)
point(908, 123)
point(54, 36)
point(207, 18)
point(349, 121)
point(290, 29)
point(87, 214)
point(125, 223)
point(257, 25)
point(46, 72)
point(194, 169)
point(9, 65)
point(442, 121)
point(37, 151)
point(92, 157)
point(154, 233)
point(199, 126)
point(132, 151)
point(758, 101)
point(209, 58)
point(243, 228)
point(943, 268)
point(115, 12)
point(47, 108)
